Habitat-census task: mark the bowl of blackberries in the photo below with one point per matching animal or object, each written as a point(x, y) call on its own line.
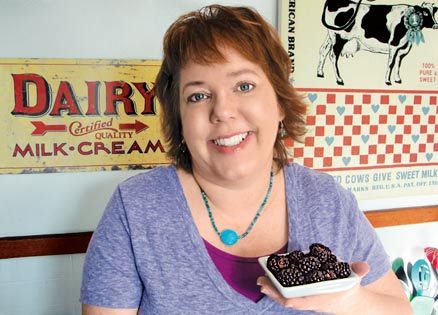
point(317, 271)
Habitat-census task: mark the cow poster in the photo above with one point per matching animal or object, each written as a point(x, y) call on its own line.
point(61, 115)
point(369, 72)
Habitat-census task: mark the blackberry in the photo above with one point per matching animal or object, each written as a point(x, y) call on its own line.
point(316, 248)
point(329, 266)
point(272, 263)
point(315, 276)
point(322, 256)
point(332, 259)
point(309, 263)
point(323, 253)
point(276, 262)
point(342, 270)
point(296, 256)
point(290, 277)
point(283, 261)
point(285, 277)
point(329, 274)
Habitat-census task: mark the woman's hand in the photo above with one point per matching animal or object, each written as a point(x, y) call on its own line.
point(335, 303)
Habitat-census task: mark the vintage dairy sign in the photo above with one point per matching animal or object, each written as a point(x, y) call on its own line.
point(75, 115)
point(368, 71)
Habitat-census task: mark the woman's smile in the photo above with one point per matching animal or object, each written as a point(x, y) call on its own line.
point(233, 143)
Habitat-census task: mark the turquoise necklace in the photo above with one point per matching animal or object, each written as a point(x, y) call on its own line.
point(228, 236)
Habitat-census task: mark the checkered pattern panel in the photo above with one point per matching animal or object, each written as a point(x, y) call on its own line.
point(361, 130)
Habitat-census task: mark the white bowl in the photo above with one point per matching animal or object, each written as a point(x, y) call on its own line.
point(323, 287)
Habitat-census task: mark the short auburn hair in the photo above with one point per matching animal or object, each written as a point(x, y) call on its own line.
point(198, 37)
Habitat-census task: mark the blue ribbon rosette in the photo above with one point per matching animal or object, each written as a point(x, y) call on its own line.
point(413, 21)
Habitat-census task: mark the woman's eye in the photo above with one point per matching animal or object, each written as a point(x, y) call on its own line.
point(245, 87)
point(196, 97)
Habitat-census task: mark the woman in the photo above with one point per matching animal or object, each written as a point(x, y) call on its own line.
point(184, 239)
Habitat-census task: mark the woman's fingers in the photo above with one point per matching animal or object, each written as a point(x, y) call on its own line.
point(301, 303)
point(360, 268)
point(268, 289)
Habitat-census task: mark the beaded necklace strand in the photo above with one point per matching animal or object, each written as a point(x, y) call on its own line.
point(228, 236)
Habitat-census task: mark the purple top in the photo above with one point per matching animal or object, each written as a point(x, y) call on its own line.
point(147, 252)
point(240, 273)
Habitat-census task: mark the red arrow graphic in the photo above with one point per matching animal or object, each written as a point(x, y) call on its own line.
point(138, 126)
point(41, 128)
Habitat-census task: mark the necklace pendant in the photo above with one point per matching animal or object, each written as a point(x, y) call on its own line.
point(229, 237)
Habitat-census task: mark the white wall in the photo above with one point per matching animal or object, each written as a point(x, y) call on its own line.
point(409, 241)
point(73, 202)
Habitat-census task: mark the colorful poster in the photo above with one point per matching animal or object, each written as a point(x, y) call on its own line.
point(61, 115)
point(369, 71)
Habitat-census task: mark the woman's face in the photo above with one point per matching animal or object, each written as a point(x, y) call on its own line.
point(230, 116)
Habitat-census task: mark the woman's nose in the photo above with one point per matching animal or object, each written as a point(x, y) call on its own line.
point(223, 108)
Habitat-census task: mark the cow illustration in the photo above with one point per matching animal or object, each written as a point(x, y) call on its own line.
point(384, 29)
